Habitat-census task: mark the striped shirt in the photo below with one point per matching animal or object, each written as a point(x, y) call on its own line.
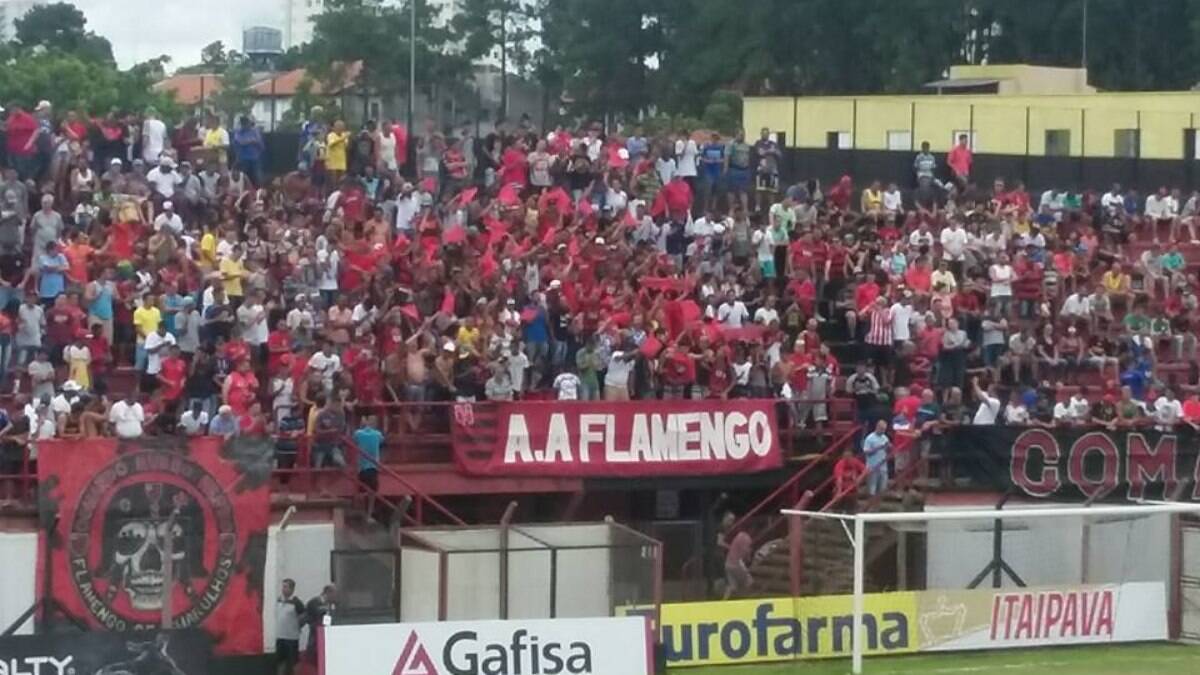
point(880, 331)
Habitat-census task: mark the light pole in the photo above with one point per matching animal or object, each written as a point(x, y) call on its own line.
point(412, 83)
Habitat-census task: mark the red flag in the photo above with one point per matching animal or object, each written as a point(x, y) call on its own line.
point(410, 310)
point(508, 196)
point(496, 230)
point(487, 264)
point(573, 246)
point(585, 207)
point(651, 346)
point(454, 235)
point(558, 197)
point(428, 185)
point(466, 196)
point(447, 302)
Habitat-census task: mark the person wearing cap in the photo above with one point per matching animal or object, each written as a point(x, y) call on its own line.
point(169, 219)
point(164, 179)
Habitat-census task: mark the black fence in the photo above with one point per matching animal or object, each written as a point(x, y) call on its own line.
point(1038, 173)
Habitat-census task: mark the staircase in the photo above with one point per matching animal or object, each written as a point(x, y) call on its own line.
point(827, 556)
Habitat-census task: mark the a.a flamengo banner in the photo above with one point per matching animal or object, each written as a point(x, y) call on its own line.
point(1076, 462)
point(109, 506)
point(631, 439)
point(600, 646)
point(179, 652)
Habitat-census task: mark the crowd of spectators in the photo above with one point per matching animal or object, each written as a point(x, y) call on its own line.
point(568, 263)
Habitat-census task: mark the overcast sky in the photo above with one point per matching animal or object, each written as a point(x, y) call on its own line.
point(144, 29)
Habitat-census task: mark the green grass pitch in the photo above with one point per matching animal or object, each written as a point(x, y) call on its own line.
point(1151, 659)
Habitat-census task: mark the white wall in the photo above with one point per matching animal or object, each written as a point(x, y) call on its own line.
point(584, 575)
point(1050, 551)
point(300, 552)
point(19, 556)
point(419, 581)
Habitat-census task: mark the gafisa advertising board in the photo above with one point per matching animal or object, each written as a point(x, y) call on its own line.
point(603, 646)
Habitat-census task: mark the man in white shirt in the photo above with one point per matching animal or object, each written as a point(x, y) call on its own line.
point(732, 312)
point(1168, 411)
point(767, 314)
point(954, 246)
point(1160, 208)
point(194, 421)
point(921, 237)
point(127, 416)
point(327, 363)
point(567, 385)
point(893, 200)
point(164, 178)
point(252, 321)
point(408, 204)
point(169, 219)
point(1080, 407)
point(1113, 202)
point(902, 314)
point(154, 137)
point(155, 346)
point(1077, 306)
point(620, 366)
point(989, 404)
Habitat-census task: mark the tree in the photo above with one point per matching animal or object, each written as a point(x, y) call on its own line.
point(73, 83)
point(62, 26)
point(501, 30)
point(213, 55)
point(375, 32)
point(235, 97)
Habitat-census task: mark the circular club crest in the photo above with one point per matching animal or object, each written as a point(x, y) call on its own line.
point(118, 545)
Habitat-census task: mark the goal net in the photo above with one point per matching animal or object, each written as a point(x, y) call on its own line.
point(1025, 575)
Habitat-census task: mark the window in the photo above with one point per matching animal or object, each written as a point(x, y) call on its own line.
point(1058, 142)
point(899, 140)
point(972, 138)
point(838, 140)
point(1127, 142)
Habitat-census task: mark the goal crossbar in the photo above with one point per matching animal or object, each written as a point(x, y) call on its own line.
point(860, 521)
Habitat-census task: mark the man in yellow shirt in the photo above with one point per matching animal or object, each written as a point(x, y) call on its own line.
point(208, 248)
point(216, 140)
point(336, 150)
point(145, 321)
point(233, 270)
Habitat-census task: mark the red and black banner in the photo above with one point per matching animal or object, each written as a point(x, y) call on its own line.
point(1077, 462)
point(122, 515)
point(607, 439)
point(174, 652)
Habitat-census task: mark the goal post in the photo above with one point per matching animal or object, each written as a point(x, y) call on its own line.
point(1105, 546)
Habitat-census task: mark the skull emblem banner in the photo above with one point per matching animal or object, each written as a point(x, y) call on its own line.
point(135, 524)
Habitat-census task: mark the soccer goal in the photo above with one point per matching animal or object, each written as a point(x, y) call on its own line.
point(1017, 576)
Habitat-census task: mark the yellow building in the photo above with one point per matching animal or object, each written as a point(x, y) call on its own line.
point(1006, 109)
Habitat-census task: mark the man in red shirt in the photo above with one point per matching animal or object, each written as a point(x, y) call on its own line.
point(846, 473)
point(960, 159)
point(22, 129)
point(171, 377)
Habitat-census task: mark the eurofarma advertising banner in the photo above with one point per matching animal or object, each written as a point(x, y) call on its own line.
point(177, 652)
point(120, 513)
point(616, 439)
point(787, 629)
point(602, 646)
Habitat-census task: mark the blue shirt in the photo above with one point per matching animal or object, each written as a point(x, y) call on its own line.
point(171, 305)
point(102, 305)
point(875, 447)
point(636, 146)
point(713, 159)
point(51, 283)
point(369, 440)
point(247, 143)
point(538, 330)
